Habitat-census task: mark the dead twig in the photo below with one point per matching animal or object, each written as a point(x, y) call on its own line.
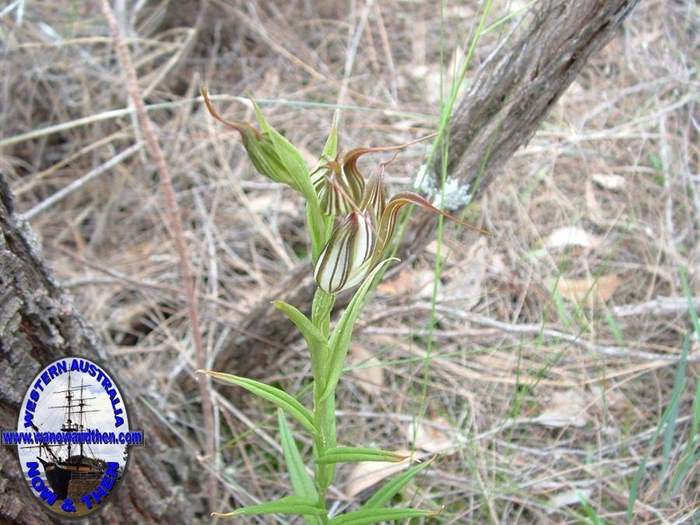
point(79, 183)
point(176, 230)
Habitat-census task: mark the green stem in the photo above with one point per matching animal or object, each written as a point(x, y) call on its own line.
point(324, 411)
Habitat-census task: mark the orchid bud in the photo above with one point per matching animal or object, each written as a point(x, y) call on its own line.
point(341, 187)
point(374, 199)
point(334, 192)
point(339, 191)
point(346, 258)
point(271, 158)
point(351, 176)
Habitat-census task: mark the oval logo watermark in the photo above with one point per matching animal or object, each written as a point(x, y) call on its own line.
point(73, 437)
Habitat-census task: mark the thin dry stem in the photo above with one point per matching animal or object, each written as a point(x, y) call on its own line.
point(176, 230)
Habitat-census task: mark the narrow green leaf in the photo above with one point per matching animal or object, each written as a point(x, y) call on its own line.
point(330, 149)
point(589, 510)
point(286, 505)
point(369, 516)
point(357, 454)
point(301, 480)
point(340, 338)
point(687, 461)
point(316, 220)
point(276, 396)
point(314, 338)
point(690, 457)
point(674, 407)
point(691, 305)
point(388, 491)
point(325, 412)
point(665, 420)
point(695, 424)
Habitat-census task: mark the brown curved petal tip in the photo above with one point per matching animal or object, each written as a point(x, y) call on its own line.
point(408, 197)
point(355, 153)
point(241, 127)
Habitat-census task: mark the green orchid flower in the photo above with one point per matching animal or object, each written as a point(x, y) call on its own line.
point(351, 223)
point(368, 220)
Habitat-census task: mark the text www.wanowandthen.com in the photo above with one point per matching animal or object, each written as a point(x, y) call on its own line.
point(85, 437)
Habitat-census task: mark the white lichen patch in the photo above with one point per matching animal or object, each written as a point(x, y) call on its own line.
point(454, 196)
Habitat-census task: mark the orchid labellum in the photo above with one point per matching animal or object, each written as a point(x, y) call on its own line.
point(367, 224)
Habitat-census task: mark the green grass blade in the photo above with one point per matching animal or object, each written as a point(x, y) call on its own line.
point(287, 505)
point(340, 338)
point(689, 460)
point(691, 454)
point(614, 327)
point(691, 305)
point(674, 407)
point(357, 454)
point(276, 396)
point(589, 510)
point(369, 516)
point(665, 418)
point(695, 424)
point(384, 495)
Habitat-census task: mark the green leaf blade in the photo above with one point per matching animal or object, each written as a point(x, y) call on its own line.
point(314, 338)
point(667, 422)
point(369, 516)
point(674, 406)
point(357, 454)
point(301, 480)
point(330, 148)
point(319, 227)
point(276, 396)
point(340, 338)
point(384, 495)
point(302, 483)
point(286, 505)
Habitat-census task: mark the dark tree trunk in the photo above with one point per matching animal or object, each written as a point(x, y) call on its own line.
point(516, 89)
point(511, 95)
point(38, 324)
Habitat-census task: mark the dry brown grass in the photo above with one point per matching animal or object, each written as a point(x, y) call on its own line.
point(531, 394)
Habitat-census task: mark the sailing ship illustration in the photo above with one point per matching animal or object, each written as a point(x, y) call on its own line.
point(68, 473)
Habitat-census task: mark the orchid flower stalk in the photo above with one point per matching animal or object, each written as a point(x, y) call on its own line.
point(351, 223)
